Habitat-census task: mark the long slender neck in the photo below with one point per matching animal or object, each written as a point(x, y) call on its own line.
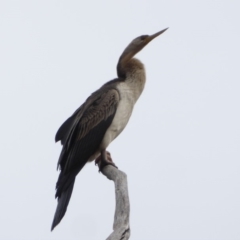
point(134, 76)
point(125, 68)
point(132, 71)
point(122, 64)
point(125, 59)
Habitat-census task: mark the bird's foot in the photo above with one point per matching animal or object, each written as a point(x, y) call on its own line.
point(104, 159)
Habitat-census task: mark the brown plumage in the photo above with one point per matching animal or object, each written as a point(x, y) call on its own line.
point(95, 124)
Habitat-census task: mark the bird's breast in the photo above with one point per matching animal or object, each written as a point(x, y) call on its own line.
point(129, 93)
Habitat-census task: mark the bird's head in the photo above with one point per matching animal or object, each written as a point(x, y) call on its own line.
point(137, 45)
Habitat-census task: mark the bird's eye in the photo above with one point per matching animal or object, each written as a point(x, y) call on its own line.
point(143, 37)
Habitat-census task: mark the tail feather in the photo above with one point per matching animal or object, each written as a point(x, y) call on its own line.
point(63, 201)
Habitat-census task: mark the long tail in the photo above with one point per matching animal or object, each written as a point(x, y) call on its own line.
point(63, 201)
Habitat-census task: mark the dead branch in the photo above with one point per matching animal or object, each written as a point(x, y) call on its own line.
point(121, 228)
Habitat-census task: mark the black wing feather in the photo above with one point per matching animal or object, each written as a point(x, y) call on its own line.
point(63, 131)
point(65, 128)
point(74, 160)
point(81, 136)
point(62, 205)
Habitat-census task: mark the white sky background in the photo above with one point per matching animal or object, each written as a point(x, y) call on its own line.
point(181, 146)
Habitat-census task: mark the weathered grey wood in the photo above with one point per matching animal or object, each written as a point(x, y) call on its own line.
point(121, 228)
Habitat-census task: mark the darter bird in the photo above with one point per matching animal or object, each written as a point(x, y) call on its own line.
point(98, 121)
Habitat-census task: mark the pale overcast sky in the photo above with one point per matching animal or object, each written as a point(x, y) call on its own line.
point(180, 149)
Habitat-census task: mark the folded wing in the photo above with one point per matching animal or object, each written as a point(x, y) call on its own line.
point(81, 136)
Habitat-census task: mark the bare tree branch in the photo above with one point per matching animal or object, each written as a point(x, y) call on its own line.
point(121, 228)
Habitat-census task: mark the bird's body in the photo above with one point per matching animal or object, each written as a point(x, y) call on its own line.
point(89, 131)
point(129, 92)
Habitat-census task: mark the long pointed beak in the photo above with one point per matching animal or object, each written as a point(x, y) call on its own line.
point(151, 37)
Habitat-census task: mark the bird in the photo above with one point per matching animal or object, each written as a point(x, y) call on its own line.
point(87, 133)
